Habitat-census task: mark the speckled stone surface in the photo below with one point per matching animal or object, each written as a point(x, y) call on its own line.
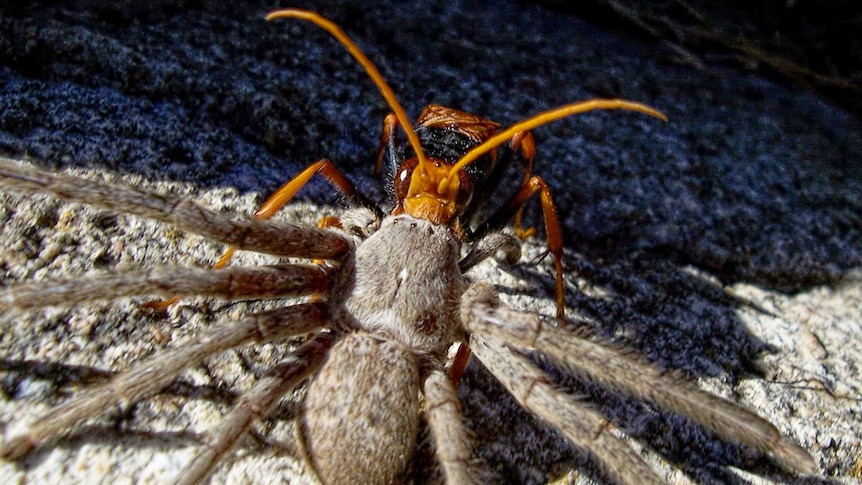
point(723, 245)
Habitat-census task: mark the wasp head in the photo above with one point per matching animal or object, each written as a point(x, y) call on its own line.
point(432, 190)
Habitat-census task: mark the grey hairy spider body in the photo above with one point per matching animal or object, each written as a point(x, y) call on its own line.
point(395, 299)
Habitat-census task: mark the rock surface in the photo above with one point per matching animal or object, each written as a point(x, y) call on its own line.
point(724, 245)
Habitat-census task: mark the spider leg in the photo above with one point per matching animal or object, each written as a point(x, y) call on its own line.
point(277, 238)
point(154, 373)
point(254, 405)
point(612, 367)
point(451, 442)
point(585, 427)
point(488, 246)
point(286, 192)
point(229, 284)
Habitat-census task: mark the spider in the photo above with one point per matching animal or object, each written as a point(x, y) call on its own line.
point(389, 299)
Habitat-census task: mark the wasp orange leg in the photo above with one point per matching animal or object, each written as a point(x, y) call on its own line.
point(459, 364)
point(524, 142)
point(552, 227)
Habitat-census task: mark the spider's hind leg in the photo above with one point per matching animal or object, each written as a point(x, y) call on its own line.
point(152, 374)
point(534, 391)
point(255, 404)
point(451, 441)
point(614, 368)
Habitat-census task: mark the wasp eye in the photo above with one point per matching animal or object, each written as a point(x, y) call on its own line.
point(465, 192)
point(403, 176)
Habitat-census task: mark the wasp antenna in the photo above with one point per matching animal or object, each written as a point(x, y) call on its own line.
point(365, 62)
point(549, 116)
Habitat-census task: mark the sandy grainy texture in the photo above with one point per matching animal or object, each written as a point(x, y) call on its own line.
point(809, 376)
point(751, 185)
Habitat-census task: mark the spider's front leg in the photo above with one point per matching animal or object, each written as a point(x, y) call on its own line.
point(276, 238)
point(495, 328)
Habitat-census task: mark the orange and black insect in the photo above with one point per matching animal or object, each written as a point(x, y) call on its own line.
point(453, 164)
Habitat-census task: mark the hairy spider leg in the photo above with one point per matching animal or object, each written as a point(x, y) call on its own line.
point(283, 195)
point(272, 205)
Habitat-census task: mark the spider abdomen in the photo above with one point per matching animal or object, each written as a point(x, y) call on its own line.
point(362, 414)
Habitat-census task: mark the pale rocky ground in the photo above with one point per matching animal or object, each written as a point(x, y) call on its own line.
point(809, 388)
